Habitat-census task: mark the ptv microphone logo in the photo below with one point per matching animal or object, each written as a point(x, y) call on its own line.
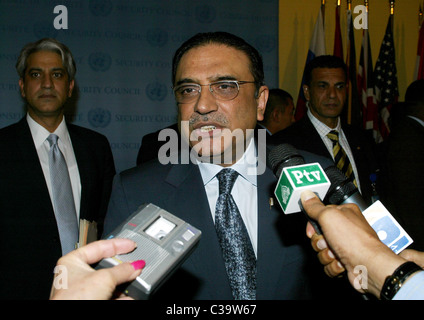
point(294, 180)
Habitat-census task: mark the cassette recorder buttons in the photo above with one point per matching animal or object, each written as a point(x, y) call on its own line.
point(178, 246)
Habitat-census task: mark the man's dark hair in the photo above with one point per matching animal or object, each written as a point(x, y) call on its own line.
point(47, 44)
point(325, 61)
point(277, 98)
point(414, 99)
point(224, 38)
point(415, 92)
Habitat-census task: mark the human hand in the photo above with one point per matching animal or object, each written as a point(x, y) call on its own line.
point(79, 281)
point(351, 240)
point(414, 256)
point(332, 266)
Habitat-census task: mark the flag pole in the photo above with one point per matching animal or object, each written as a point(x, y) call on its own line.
point(349, 102)
point(392, 12)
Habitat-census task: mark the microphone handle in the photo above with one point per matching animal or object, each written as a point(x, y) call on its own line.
point(357, 199)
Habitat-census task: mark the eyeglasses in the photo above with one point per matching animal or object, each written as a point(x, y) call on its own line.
point(222, 90)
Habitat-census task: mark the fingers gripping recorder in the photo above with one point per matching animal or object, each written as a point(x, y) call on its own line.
point(163, 240)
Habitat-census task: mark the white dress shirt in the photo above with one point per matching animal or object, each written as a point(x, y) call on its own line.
point(417, 119)
point(323, 130)
point(244, 191)
point(39, 135)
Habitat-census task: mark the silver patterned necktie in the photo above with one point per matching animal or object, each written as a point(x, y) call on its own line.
point(237, 250)
point(63, 199)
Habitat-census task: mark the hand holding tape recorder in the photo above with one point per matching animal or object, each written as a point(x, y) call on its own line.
point(163, 240)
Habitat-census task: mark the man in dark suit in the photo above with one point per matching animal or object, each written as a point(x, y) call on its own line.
point(150, 144)
point(279, 112)
point(405, 159)
point(326, 90)
point(30, 240)
point(220, 93)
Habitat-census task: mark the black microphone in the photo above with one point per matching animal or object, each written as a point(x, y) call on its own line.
point(283, 156)
point(343, 190)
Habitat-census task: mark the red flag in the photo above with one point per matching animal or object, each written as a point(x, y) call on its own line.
point(316, 48)
point(338, 43)
point(366, 88)
point(385, 79)
point(419, 69)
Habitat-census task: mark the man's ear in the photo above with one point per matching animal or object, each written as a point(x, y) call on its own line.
point(21, 86)
point(262, 100)
point(71, 87)
point(306, 92)
point(276, 113)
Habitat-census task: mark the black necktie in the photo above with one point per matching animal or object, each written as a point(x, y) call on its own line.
point(340, 158)
point(237, 250)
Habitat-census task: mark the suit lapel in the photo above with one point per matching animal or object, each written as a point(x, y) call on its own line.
point(28, 153)
point(85, 170)
point(207, 258)
point(31, 171)
point(269, 260)
point(315, 141)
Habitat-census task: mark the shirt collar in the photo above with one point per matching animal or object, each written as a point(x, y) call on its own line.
point(322, 128)
point(263, 127)
point(243, 166)
point(40, 134)
point(418, 120)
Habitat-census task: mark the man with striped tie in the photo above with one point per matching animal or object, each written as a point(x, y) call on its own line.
point(321, 130)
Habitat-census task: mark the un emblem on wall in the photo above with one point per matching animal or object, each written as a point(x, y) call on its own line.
point(266, 43)
point(205, 14)
point(44, 29)
point(100, 61)
point(99, 117)
point(156, 91)
point(100, 8)
point(157, 37)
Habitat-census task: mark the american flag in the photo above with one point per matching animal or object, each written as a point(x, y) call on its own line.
point(385, 79)
point(366, 89)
